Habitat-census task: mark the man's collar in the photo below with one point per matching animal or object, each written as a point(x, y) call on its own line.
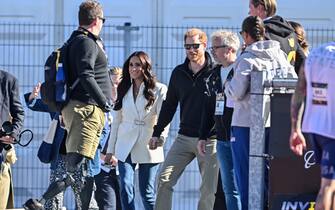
point(89, 33)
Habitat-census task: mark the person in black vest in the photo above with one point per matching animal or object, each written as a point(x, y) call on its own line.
point(10, 110)
point(278, 29)
point(218, 112)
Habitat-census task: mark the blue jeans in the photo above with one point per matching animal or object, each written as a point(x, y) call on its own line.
point(224, 156)
point(86, 193)
point(146, 174)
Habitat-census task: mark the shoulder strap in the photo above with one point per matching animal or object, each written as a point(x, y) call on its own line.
point(84, 33)
point(229, 77)
point(68, 43)
point(230, 74)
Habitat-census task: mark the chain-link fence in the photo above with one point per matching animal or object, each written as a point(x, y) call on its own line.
point(25, 47)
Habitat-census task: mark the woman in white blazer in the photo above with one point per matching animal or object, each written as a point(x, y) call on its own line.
point(139, 100)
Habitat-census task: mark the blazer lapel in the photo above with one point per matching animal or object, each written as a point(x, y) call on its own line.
point(141, 103)
point(132, 102)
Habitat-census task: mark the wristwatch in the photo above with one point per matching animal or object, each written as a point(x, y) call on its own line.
point(107, 107)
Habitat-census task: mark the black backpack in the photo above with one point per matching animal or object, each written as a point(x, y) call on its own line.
point(55, 90)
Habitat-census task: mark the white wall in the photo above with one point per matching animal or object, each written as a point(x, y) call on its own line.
point(312, 13)
point(27, 11)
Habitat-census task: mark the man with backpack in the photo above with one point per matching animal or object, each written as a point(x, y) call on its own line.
point(85, 61)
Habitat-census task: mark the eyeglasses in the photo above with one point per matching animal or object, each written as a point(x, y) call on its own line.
point(103, 19)
point(193, 46)
point(217, 47)
point(241, 32)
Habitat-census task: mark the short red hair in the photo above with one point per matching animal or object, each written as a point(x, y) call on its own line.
point(196, 31)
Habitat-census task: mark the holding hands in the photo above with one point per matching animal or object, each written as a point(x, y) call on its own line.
point(110, 159)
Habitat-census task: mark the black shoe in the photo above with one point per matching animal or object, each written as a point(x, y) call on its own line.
point(33, 204)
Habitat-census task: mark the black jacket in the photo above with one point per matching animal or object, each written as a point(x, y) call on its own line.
point(88, 62)
point(187, 90)
point(10, 105)
point(278, 29)
point(209, 119)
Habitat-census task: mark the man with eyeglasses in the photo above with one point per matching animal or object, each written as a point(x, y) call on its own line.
point(187, 88)
point(84, 115)
point(218, 111)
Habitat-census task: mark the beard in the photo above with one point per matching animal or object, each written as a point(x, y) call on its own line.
point(194, 56)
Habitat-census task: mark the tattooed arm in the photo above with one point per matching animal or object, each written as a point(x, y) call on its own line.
point(297, 140)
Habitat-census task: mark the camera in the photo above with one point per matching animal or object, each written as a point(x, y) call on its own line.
point(6, 129)
point(24, 138)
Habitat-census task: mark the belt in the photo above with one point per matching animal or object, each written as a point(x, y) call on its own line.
point(136, 122)
point(139, 122)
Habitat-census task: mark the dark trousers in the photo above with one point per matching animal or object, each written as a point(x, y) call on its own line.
point(107, 193)
point(86, 193)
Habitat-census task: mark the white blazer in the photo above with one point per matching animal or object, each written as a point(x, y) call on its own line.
point(132, 127)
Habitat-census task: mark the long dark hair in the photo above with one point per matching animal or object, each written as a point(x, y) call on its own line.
point(254, 26)
point(148, 79)
point(301, 35)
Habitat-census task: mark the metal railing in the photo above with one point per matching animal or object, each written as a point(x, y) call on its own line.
point(260, 90)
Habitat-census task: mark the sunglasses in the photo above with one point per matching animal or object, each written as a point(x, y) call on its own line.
point(103, 19)
point(193, 46)
point(217, 47)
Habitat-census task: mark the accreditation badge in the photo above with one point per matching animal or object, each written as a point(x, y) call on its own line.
point(219, 104)
point(320, 93)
